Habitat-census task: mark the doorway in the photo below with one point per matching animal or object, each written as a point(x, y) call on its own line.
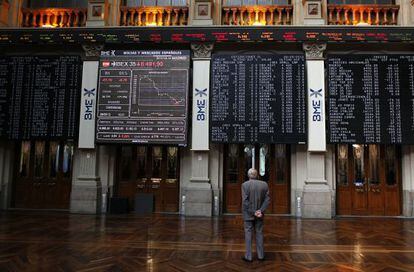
point(151, 170)
point(368, 179)
point(273, 164)
point(43, 174)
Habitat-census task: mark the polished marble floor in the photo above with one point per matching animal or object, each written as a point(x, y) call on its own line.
point(58, 241)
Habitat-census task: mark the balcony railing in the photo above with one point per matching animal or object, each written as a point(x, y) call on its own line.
point(363, 14)
point(154, 16)
point(54, 17)
point(257, 15)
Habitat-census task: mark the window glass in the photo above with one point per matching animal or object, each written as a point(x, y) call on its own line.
point(172, 159)
point(57, 3)
point(39, 160)
point(141, 162)
point(156, 162)
point(164, 3)
point(362, 2)
point(149, 2)
point(248, 159)
point(68, 151)
point(390, 165)
point(280, 161)
point(232, 163)
point(237, 3)
point(24, 159)
point(342, 165)
point(264, 162)
point(126, 160)
point(264, 2)
point(179, 3)
point(230, 3)
point(373, 159)
point(249, 2)
point(358, 156)
point(53, 159)
point(133, 3)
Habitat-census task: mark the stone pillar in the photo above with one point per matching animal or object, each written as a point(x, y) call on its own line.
point(317, 195)
point(15, 16)
point(4, 13)
point(113, 14)
point(406, 12)
point(408, 180)
point(198, 192)
point(6, 173)
point(86, 196)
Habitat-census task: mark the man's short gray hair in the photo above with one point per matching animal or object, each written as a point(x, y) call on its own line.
point(252, 173)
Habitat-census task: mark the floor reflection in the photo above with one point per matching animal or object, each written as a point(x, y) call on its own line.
point(47, 241)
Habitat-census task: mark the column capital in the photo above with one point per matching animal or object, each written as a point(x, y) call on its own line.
point(314, 51)
point(92, 51)
point(202, 50)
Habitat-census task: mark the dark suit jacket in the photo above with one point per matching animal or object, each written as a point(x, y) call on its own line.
point(255, 196)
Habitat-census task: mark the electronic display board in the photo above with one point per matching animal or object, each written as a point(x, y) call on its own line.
point(188, 34)
point(370, 99)
point(39, 97)
point(142, 97)
point(258, 98)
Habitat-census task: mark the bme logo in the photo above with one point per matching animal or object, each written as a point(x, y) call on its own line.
point(316, 105)
point(201, 104)
point(88, 103)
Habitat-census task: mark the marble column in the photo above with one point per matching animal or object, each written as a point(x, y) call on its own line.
point(405, 13)
point(14, 15)
point(408, 180)
point(317, 194)
point(6, 173)
point(113, 12)
point(4, 13)
point(86, 196)
point(198, 191)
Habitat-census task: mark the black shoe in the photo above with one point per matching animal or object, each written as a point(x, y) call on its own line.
point(246, 260)
point(262, 259)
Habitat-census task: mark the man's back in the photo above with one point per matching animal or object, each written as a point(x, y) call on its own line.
point(255, 196)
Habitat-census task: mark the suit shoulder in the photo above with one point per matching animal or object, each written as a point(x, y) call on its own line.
point(263, 183)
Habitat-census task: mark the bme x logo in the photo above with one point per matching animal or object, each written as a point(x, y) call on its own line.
point(88, 93)
point(316, 93)
point(201, 92)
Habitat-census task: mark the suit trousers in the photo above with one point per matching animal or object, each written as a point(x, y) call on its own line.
point(257, 225)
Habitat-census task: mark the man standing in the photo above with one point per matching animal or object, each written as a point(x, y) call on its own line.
point(255, 199)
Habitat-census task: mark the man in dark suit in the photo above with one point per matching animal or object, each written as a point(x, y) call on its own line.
point(255, 199)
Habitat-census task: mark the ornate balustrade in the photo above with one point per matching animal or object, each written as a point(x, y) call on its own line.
point(54, 17)
point(363, 14)
point(154, 16)
point(257, 15)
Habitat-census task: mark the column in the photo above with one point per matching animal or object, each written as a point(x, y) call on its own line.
point(198, 191)
point(86, 196)
point(406, 13)
point(14, 14)
point(6, 173)
point(317, 194)
point(114, 12)
point(4, 13)
point(407, 180)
